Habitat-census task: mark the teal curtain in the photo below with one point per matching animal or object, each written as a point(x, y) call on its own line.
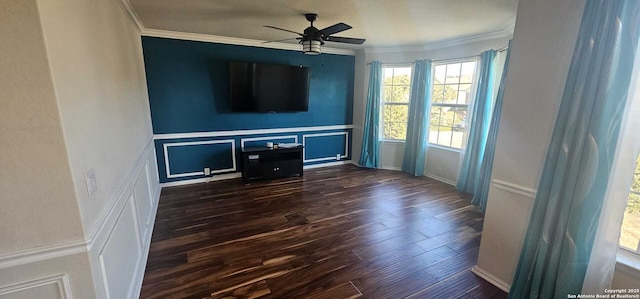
point(562, 228)
point(369, 153)
point(415, 148)
point(479, 129)
point(483, 180)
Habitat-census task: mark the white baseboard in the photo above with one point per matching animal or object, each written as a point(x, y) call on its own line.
point(501, 284)
point(235, 175)
point(391, 168)
point(327, 164)
point(226, 176)
point(437, 178)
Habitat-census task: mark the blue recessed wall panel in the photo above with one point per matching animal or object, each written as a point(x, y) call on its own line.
point(188, 85)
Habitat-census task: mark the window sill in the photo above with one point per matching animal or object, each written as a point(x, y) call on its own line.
point(392, 140)
point(446, 148)
point(628, 262)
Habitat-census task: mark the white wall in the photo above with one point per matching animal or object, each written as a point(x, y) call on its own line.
point(74, 98)
point(539, 64)
point(35, 178)
point(96, 59)
point(441, 163)
point(39, 209)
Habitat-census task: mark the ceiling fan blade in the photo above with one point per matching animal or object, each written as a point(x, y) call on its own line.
point(347, 40)
point(287, 30)
point(280, 40)
point(335, 29)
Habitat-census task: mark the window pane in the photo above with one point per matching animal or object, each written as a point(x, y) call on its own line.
point(630, 232)
point(460, 118)
point(397, 130)
point(395, 121)
point(453, 73)
point(433, 134)
point(444, 136)
point(388, 93)
point(447, 116)
point(400, 94)
point(439, 74)
point(436, 117)
point(388, 75)
point(459, 126)
point(400, 74)
point(437, 95)
point(450, 93)
point(464, 94)
point(467, 70)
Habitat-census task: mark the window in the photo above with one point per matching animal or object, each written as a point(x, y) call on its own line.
point(630, 235)
point(452, 94)
point(395, 102)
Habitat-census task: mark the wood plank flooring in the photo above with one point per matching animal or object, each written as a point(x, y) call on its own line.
point(337, 232)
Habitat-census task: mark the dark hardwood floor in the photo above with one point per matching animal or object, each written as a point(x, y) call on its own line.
point(337, 232)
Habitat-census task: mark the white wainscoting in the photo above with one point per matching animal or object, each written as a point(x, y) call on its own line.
point(118, 254)
point(56, 286)
point(112, 256)
point(307, 136)
point(170, 175)
point(242, 137)
point(505, 224)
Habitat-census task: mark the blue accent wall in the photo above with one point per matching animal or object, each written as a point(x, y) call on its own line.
point(188, 84)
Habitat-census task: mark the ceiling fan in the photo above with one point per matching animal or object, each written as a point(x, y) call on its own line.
point(313, 38)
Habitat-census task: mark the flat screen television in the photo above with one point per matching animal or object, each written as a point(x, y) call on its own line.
point(258, 87)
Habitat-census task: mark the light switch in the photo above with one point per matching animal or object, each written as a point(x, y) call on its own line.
point(90, 181)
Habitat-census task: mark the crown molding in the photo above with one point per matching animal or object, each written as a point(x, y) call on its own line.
point(236, 41)
point(504, 32)
point(128, 9)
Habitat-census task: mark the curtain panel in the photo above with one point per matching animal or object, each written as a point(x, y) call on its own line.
point(564, 220)
point(369, 155)
point(415, 148)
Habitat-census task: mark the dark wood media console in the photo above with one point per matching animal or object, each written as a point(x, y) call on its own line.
point(263, 163)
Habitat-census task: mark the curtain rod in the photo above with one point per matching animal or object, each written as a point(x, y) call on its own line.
point(448, 59)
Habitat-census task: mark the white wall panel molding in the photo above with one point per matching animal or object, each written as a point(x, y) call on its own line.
point(236, 41)
point(118, 199)
point(60, 282)
point(304, 150)
point(514, 188)
point(34, 255)
point(125, 233)
point(249, 132)
point(170, 175)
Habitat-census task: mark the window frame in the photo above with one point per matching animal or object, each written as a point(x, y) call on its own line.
point(383, 103)
point(469, 106)
point(630, 254)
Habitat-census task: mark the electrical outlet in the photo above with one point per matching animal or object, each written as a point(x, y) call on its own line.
point(90, 181)
point(338, 157)
point(207, 171)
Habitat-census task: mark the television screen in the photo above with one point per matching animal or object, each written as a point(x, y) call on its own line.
point(257, 87)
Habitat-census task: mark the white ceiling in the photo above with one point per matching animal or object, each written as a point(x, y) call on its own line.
point(384, 23)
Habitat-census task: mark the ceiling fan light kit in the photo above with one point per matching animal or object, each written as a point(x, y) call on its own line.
point(311, 47)
point(312, 39)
